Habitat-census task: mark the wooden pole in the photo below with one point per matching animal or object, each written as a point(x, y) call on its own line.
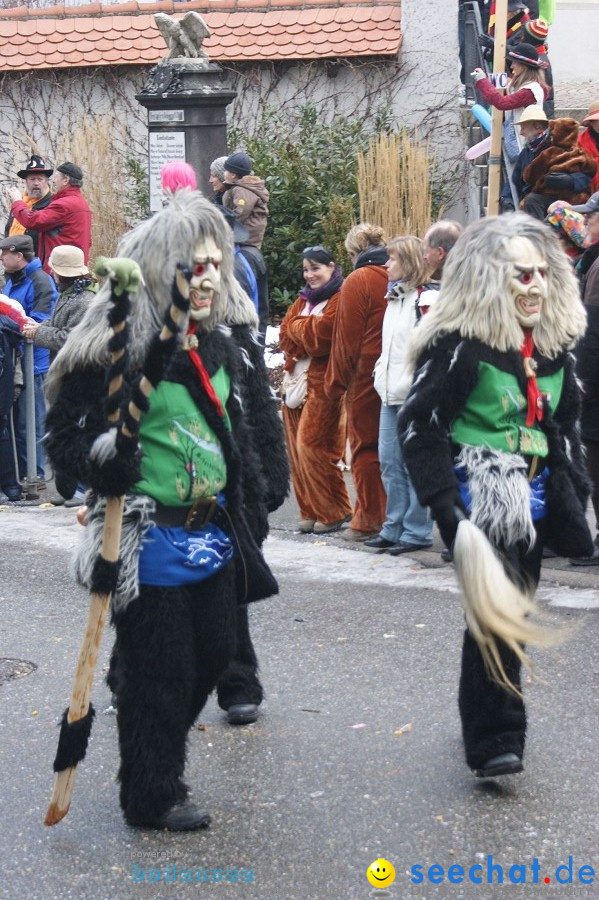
point(497, 115)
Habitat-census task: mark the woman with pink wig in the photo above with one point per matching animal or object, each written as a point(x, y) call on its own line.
point(175, 176)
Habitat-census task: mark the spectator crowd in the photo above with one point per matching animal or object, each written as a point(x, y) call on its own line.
point(344, 339)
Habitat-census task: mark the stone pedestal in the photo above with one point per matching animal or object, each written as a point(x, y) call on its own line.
point(187, 119)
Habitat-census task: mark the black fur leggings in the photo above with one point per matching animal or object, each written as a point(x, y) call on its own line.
point(172, 645)
point(493, 719)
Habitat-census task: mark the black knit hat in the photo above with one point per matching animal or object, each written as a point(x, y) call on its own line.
point(239, 163)
point(527, 55)
point(35, 166)
point(71, 170)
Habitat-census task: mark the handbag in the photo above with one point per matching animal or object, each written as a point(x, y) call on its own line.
point(295, 384)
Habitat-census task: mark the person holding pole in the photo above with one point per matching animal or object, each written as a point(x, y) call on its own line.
point(194, 515)
point(526, 87)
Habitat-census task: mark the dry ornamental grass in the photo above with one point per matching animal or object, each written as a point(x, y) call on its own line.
point(394, 184)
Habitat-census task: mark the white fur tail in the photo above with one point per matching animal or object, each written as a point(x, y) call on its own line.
point(495, 608)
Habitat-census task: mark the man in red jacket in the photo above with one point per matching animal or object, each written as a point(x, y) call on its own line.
point(66, 220)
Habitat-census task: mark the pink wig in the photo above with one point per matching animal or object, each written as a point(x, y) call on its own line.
point(177, 175)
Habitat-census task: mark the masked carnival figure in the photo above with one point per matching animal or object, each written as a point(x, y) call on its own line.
point(212, 465)
point(490, 438)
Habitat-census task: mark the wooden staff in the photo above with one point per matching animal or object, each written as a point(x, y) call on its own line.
point(497, 115)
point(77, 720)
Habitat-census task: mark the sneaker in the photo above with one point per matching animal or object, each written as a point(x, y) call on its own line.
point(13, 493)
point(379, 544)
point(586, 560)
point(306, 526)
point(322, 528)
point(78, 499)
point(354, 534)
point(403, 547)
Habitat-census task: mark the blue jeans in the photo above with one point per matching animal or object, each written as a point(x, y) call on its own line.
point(406, 520)
point(40, 422)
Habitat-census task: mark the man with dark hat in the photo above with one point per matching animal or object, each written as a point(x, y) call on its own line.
point(37, 195)
point(67, 218)
point(246, 195)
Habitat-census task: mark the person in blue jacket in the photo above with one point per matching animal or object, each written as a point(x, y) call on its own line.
point(36, 292)
point(10, 338)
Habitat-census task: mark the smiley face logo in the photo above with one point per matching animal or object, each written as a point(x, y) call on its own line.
point(380, 873)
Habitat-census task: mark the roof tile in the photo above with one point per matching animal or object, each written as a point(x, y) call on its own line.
point(8, 29)
point(85, 37)
point(44, 26)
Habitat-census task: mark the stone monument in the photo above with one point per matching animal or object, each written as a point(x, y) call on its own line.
point(186, 104)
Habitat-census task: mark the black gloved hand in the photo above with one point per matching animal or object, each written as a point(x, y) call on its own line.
point(486, 41)
point(559, 181)
point(444, 509)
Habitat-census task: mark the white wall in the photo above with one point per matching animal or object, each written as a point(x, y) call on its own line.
point(574, 42)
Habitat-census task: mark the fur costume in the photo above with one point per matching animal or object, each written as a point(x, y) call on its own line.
point(468, 441)
point(357, 337)
point(563, 156)
point(316, 431)
point(174, 642)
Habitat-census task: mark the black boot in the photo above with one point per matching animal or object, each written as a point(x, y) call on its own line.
point(184, 816)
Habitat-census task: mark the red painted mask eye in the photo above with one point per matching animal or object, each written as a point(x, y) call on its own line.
point(216, 266)
point(199, 269)
point(526, 277)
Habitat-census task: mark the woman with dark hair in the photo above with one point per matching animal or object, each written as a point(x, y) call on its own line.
point(315, 425)
point(357, 343)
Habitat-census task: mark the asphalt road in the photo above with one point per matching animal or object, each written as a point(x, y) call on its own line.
point(357, 754)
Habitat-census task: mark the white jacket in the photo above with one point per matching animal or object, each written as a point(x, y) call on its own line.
point(391, 380)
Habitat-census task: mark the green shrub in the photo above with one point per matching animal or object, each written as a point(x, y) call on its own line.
point(310, 169)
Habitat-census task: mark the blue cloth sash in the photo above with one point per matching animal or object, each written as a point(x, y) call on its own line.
point(174, 556)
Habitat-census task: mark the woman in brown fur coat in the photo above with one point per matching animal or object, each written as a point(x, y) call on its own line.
point(315, 425)
point(357, 344)
point(562, 171)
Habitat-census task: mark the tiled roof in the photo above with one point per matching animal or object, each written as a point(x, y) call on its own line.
point(104, 34)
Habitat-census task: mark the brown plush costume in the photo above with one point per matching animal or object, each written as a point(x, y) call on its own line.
point(316, 431)
point(564, 156)
point(357, 344)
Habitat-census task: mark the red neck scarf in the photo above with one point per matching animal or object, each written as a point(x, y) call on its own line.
point(204, 377)
point(535, 398)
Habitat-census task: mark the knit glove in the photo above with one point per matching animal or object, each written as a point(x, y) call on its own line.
point(478, 75)
point(559, 181)
point(447, 509)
